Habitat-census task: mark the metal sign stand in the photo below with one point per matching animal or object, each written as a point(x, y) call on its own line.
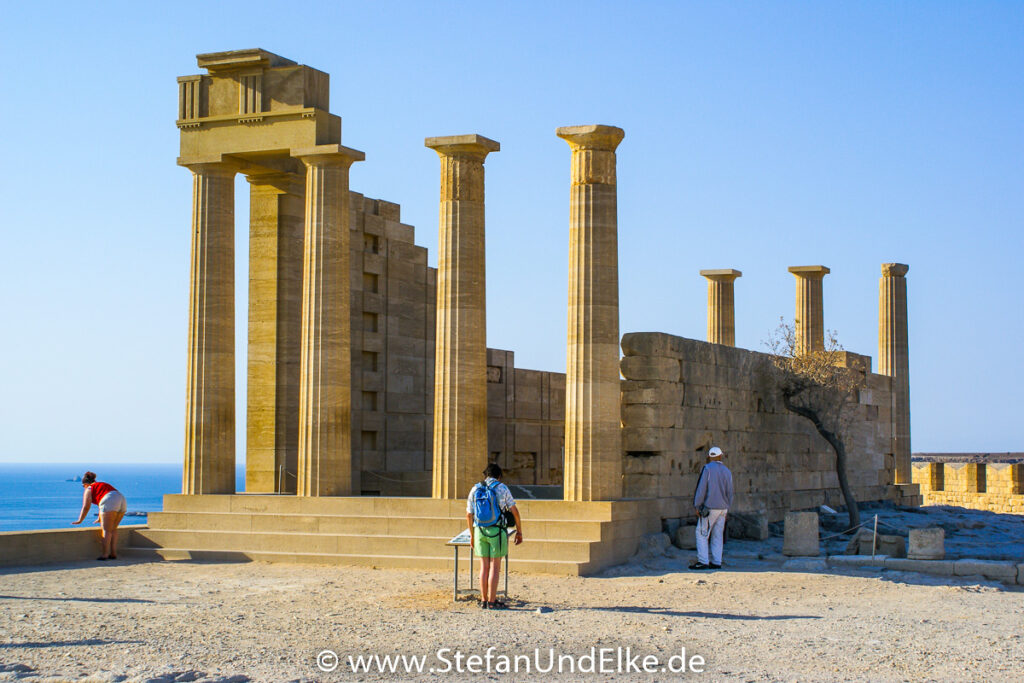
point(463, 539)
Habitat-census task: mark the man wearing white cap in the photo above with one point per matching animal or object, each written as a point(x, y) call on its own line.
point(712, 501)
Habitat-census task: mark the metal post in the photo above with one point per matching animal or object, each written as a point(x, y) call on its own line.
point(874, 539)
point(455, 595)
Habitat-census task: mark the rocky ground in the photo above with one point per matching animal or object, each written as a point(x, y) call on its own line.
point(752, 621)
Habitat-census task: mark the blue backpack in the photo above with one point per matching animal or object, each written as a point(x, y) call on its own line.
point(486, 511)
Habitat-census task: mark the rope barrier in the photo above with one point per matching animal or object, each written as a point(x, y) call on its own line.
point(843, 533)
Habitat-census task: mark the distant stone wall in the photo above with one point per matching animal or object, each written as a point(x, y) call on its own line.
point(997, 487)
point(681, 396)
point(525, 420)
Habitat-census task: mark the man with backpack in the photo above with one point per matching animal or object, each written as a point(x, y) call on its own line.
point(712, 501)
point(487, 513)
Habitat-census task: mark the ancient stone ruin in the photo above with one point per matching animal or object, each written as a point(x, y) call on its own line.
point(372, 395)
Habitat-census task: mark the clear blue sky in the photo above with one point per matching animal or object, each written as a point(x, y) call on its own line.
point(758, 136)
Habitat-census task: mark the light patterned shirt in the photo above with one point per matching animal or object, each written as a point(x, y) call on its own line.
point(504, 496)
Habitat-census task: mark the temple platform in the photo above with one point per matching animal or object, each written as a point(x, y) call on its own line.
point(568, 538)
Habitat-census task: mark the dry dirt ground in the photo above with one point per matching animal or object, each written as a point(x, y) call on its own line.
point(752, 621)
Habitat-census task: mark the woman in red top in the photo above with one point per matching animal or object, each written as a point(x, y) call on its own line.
point(112, 508)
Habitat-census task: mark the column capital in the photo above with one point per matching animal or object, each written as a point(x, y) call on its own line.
point(474, 146)
point(894, 269)
point(809, 272)
point(721, 274)
point(328, 155)
point(596, 137)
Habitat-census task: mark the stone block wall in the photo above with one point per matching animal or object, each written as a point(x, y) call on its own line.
point(394, 301)
point(997, 487)
point(681, 396)
point(393, 313)
point(525, 420)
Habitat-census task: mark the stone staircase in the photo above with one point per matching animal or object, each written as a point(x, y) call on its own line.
point(561, 537)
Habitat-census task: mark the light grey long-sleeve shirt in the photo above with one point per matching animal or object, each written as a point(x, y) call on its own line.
point(714, 489)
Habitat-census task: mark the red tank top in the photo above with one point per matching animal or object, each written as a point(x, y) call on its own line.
point(100, 489)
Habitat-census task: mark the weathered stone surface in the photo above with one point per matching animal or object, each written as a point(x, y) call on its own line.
point(652, 545)
point(650, 368)
point(650, 415)
point(648, 439)
point(730, 400)
point(747, 525)
point(938, 567)
point(889, 545)
point(686, 537)
point(927, 544)
point(1020, 574)
point(990, 569)
point(857, 561)
point(806, 564)
point(652, 392)
point(653, 344)
point(671, 526)
point(801, 534)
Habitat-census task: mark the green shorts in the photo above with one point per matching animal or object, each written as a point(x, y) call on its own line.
point(490, 541)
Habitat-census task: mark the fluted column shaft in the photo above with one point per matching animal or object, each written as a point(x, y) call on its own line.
point(593, 436)
point(721, 306)
point(210, 403)
point(325, 395)
point(894, 359)
point(276, 225)
point(810, 319)
point(460, 357)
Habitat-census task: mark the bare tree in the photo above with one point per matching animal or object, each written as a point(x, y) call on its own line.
point(819, 387)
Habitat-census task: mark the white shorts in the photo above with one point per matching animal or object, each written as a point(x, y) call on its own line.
point(113, 502)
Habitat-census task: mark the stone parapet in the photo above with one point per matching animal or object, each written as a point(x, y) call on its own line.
point(996, 487)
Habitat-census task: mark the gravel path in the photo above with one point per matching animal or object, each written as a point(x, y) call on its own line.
point(185, 621)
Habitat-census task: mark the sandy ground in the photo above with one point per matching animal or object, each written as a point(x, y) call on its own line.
point(752, 621)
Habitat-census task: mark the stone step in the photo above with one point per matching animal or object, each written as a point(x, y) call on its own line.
point(538, 529)
point(434, 563)
point(344, 544)
point(597, 511)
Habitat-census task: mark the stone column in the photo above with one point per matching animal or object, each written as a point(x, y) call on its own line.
point(810, 320)
point(325, 381)
point(721, 308)
point(460, 359)
point(894, 359)
point(210, 404)
point(276, 205)
point(593, 426)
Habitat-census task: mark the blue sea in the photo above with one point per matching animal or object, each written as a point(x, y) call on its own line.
point(46, 496)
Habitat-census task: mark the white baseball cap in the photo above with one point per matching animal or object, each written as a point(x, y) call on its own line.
point(715, 452)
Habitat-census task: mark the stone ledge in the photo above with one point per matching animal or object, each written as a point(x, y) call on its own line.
point(990, 569)
point(937, 567)
point(854, 561)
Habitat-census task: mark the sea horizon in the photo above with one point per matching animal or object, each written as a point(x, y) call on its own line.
point(46, 496)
